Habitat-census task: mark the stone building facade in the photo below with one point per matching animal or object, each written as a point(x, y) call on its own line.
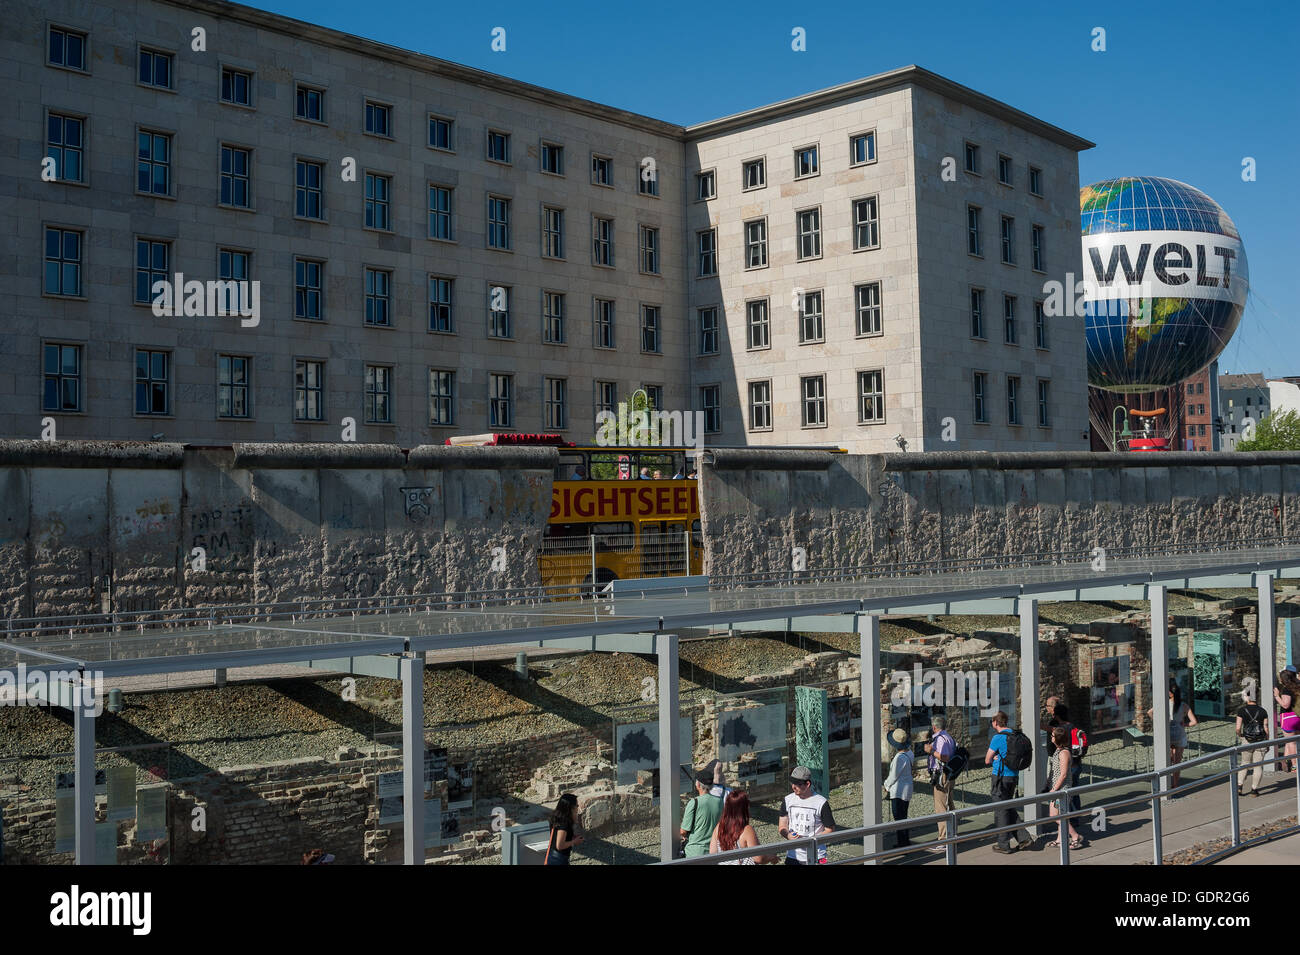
point(440, 250)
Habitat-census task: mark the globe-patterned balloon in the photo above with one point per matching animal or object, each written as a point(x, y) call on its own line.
point(1166, 280)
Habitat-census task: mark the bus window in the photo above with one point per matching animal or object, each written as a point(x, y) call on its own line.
point(572, 467)
point(657, 466)
point(610, 466)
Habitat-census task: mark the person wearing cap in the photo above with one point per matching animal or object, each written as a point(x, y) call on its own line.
point(803, 813)
point(1252, 726)
point(899, 783)
point(701, 816)
point(719, 787)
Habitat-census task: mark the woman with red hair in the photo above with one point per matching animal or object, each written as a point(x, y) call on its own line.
point(734, 830)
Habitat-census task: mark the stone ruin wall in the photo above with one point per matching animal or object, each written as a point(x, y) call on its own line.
point(91, 527)
point(864, 510)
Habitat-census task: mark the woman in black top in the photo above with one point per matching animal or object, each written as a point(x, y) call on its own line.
point(564, 835)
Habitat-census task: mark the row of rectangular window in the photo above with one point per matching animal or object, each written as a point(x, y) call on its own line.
point(153, 264)
point(156, 68)
point(981, 395)
point(1006, 169)
point(812, 401)
point(808, 229)
point(1010, 323)
point(807, 164)
point(65, 146)
point(62, 368)
point(1007, 239)
point(810, 322)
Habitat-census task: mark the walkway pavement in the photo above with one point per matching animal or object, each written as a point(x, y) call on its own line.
point(1194, 818)
point(1284, 851)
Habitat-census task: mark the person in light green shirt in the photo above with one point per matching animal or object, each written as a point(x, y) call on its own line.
point(701, 816)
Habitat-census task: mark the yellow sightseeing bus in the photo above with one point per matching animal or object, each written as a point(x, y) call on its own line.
point(616, 512)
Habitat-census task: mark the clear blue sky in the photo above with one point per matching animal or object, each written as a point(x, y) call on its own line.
point(1184, 90)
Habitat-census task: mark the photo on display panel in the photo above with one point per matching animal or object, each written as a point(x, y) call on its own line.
point(460, 785)
point(839, 731)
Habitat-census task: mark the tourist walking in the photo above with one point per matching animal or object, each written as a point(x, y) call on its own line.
point(938, 751)
point(899, 783)
point(1060, 716)
point(803, 813)
point(1252, 726)
point(1287, 695)
point(564, 829)
point(1180, 717)
point(701, 816)
point(1004, 780)
point(735, 831)
point(1059, 777)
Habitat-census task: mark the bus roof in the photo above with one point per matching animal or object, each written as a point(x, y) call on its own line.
point(503, 439)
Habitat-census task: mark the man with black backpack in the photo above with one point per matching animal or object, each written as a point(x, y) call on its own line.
point(1010, 751)
point(1252, 726)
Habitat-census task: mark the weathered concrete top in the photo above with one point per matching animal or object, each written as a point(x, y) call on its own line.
point(317, 455)
point(272, 455)
point(1038, 460)
point(756, 459)
point(32, 453)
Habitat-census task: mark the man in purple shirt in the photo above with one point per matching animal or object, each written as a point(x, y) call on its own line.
point(940, 750)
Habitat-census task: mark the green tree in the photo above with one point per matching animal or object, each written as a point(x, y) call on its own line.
point(1280, 431)
point(604, 467)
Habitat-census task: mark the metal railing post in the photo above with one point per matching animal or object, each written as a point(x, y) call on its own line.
point(687, 559)
point(951, 848)
point(593, 563)
point(1157, 839)
point(1297, 793)
point(1234, 805)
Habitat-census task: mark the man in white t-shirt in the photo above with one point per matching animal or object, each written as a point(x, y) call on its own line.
point(804, 813)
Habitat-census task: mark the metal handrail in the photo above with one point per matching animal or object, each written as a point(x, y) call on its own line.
point(953, 817)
